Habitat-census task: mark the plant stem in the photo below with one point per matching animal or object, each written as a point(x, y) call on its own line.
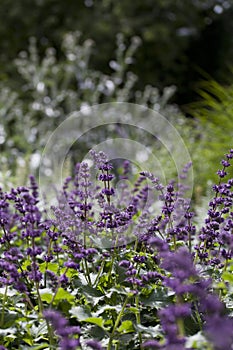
point(180, 324)
point(189, 236)
point(180, 321)
point(3, 306)
point(99, 272)
point(138, 318)
point(189, 242)
point(51, 335)
point(112, 260)
point(41, 307)
point(117, 323)
point(225, 265)
point(87, 272)
point(198, 316)
point(46, 266)
point(29, 301)
point(174, 242)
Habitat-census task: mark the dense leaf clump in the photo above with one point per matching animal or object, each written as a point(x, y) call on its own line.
point(111, 267)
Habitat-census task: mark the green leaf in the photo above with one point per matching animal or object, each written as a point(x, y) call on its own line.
point(126, 327)
point(153, 331)
point(102, 242)
point(96, 332)
point(46, 295)
point(156, 298)
point(36, 331)
point(10, 292)
point(86, 289)
point(81, 312)
point(197, 341)
point(9, 319)
point(102, 309)
point(118, 290)
point(227, 276)
point(48, 266)
point(70, 273)
point(25, 264)
point(95, 320)
point(93, 295)
point(28, 341)
point(37, 347)
point(62, 294)
point(5, 332)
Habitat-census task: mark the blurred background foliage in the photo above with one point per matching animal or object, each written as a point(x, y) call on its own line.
point(57, 57)
point(178, 36)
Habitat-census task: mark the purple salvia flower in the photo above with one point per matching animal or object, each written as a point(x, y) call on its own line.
point(131, 272)
point(69, 344)
point(179, 263)
point(71, 264)
point(57, 320)
point(151, 344)
point(225, 163)
point(221, 173)
point(63, 279)
point(126, 170)
point(153, 179)
point(139, 258)
point(219, 331)
point(34, 187)
point(99, 158)
point(63, 330)
point(135, 281)
point(125, 263)
point(169, 317)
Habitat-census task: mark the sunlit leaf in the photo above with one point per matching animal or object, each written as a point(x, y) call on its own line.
point(126, 327)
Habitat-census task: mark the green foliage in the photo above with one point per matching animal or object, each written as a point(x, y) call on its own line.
point(212, 128)
point(117, 295)
point(50, 88)
point(173, 34)
point(62, 71)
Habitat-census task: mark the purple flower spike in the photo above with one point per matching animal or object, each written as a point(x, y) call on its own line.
point(69, 344)
point(151, 344)
point(56, 319)
point(219, 330)
point(125, 263)
point(63, 330)
point(221, 173)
